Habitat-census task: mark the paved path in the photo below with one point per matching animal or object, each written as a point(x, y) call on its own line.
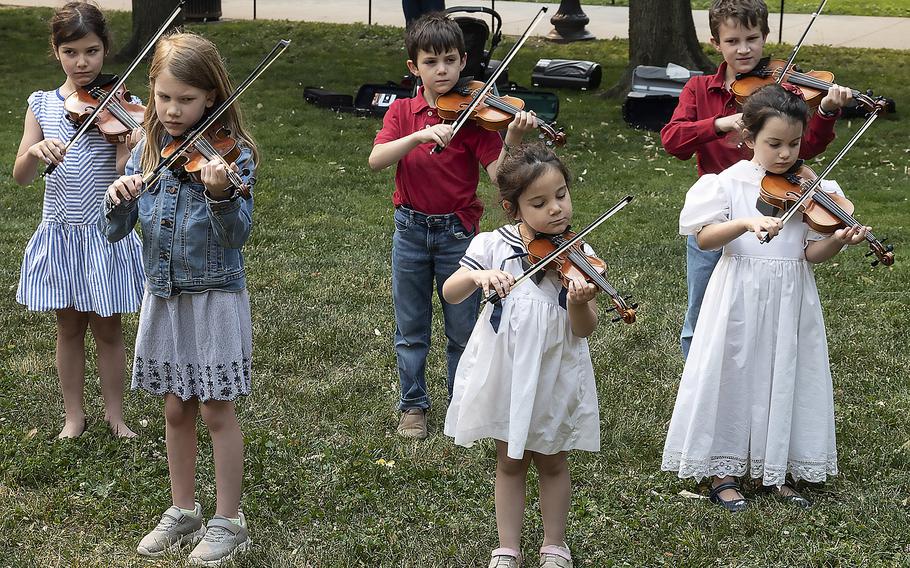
point(606, 21)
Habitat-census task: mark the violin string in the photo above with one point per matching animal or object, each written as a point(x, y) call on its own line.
point(583, 264)
point(802, 79)
point(500, 104)
point(806, 80)
point(123, 115)
point(832, 206)
point(210, 152)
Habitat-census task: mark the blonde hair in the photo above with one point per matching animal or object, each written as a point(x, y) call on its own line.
point(193, 60)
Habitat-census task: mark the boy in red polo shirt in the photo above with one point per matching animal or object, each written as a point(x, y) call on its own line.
point(707, 123)
point(436, 207)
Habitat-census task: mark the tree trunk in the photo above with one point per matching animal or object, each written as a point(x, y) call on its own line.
point(660, 32)
point(147, 18)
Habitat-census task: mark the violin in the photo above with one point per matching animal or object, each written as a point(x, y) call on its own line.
point(574, 263)
point(215, 143)
point(117, 120)
point(493, 112)
point(814, 85)
point(824, 212)
point(201, 136)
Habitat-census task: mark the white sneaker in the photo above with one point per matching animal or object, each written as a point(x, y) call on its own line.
point(174, 529)
point(223, 541)
point(553, 556)
point(505, 558)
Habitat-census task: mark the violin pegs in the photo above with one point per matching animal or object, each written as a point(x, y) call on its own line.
point(883, 240)
point(635, 306)
point(616, 319)
point(875, 262)
point(870, 253)
point(889, 248)
point(613, 309)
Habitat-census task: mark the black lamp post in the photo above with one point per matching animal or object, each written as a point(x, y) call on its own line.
point(569, 23)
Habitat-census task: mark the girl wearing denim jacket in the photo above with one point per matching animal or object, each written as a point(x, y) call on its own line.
point(194, 341)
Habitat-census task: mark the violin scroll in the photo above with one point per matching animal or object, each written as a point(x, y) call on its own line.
point(884, 253)
point(625, 312)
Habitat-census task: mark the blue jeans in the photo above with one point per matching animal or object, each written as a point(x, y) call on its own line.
point(699, 266)
point(427, 248)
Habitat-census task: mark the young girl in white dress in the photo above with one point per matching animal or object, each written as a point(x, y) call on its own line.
point(526, 378)
point(756, 394)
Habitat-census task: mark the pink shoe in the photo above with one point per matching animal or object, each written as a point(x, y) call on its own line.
point(505, 558)
point(552, 556)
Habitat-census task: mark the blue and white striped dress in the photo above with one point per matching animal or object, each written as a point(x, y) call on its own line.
point(68, 262)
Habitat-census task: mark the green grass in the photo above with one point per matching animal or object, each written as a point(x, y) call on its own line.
point(325, 382)
point(843, 7)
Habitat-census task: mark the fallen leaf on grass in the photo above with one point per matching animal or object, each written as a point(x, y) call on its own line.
point(31, 434)
point(689, 495)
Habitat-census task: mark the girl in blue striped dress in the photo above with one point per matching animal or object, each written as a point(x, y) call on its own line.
point(69, 266)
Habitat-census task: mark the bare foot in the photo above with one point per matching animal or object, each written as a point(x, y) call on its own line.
point(72, 429)
point(121, 430)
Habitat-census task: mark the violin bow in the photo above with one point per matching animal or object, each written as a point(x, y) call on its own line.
point(799, 44)
point(541, 264)
point(807, 193)
point(482, 92)
point(88, 122)
point(151, 178)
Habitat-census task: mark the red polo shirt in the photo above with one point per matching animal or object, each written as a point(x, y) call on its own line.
point(437, 184)
point(691, 129)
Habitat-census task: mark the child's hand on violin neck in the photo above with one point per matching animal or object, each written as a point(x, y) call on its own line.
point(580, 291)
point(523, 122)
point(498, 280)
point(215, 178)
point(125, 188)
point(762, 226)
point(439, 134)
point(836, 98)
point(49, 150)
point(851, 235)
point(136, 135)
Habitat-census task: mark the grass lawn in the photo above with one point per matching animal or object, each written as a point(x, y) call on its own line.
point(327, 481)
point(846, 7)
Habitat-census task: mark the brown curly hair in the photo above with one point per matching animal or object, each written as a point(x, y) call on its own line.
point(520, 167)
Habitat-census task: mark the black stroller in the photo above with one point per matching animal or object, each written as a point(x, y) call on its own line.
point(476, 33)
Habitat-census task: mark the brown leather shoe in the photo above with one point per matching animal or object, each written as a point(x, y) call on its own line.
point(413, 423)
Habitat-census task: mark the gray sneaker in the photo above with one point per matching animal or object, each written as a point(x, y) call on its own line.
point(223, 541)
point(174, 529)
point(413, 423)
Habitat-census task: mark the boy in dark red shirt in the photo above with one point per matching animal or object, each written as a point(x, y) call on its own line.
point(436, 207)
point(707, 123)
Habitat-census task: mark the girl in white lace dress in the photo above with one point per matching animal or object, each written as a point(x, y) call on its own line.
point(526, 378)
point(756, 394)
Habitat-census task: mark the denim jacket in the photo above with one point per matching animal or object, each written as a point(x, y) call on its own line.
point(190, 243)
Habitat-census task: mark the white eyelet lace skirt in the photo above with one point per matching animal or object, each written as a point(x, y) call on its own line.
point(195, 345)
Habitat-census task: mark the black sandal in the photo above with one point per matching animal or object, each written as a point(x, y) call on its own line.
point(794, 498)
point(732, 505)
